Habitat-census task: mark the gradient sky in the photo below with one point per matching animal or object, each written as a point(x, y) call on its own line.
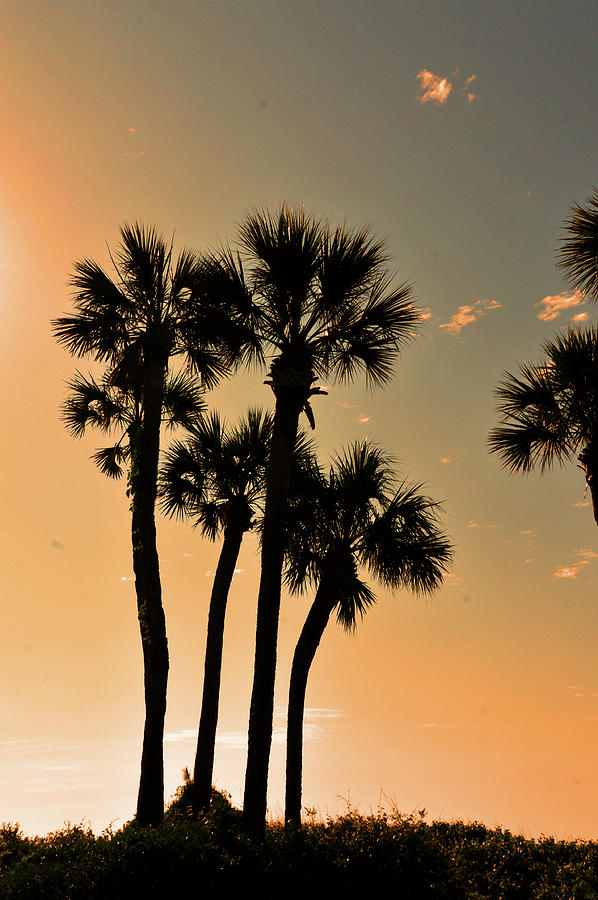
point(463, 133)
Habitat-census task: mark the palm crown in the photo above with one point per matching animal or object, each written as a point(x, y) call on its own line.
point(152, 310)
point(361, 516)
point(549, 411)
point(217, 472)
point(323, 301)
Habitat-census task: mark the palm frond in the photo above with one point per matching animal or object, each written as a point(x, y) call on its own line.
point(91, 404)
point(182, 482)
point(183, 400)
point(368, 338)
point(350, 264)
point(578, 252)
point(109, 460)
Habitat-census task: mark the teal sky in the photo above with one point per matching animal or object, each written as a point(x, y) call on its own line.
point(481, 702)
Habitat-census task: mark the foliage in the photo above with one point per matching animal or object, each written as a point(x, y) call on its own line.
point(389, 854)
point(549, 411)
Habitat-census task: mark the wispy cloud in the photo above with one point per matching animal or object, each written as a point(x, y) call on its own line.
point(468, 314)
point(468, 87)
point(565, 572)
point(553, 305)
point(580, 559)
point(434, 89)
point(482, 526)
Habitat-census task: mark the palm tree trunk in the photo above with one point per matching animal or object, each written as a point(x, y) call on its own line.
point(152, 625)
point(590, 461)
point(206, 737)
point(284, 435)
point(309, 639)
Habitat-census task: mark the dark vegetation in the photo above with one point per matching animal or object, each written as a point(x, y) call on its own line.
point(386, 853)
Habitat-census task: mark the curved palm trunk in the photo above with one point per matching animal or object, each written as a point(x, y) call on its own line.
point(143, 481)
point(206, 738)
point(284, 434)
point(308, 642)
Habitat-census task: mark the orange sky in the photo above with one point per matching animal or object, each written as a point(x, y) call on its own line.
point(481, 703)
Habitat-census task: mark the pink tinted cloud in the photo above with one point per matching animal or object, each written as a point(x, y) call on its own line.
point(468, 314)
point(566, 572)
point(554, 304)
point(433, 88)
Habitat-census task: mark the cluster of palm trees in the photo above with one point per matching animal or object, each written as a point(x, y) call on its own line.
point(309, 302)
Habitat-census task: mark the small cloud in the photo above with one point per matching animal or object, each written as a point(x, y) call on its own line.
point(363, 419)
point(187, 555)
point(478, 525)
point(135, 155)
point(582, 503)
point(425, 314)
point(127, 577)
point(564, 572)
point(132, 130)
point(468, 87)
point(580, 317)
point(447, 460)
point(433, 88)
point(317, 712)
point(436, 725)
point(174, 737)
point(587, 555)
point(554, 304)
point(238, 571)
point(452, 580)
point(210, 573)
point(468, 314)
point(528, 531)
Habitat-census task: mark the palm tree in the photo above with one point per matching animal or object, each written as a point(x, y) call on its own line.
point(549, 411)
point(360, 517)
point(216, 478)
point(325, 308)
point(134, 323)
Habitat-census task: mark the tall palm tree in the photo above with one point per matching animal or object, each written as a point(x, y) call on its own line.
point(549, 411)
point(359, 517)
point(216, 478)
point(325, 308)
point(135, 322)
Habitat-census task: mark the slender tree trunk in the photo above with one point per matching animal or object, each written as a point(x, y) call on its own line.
point(308, 642)
point(206, 738)
point(590, 460)
point(143, 486)
point(289, 403)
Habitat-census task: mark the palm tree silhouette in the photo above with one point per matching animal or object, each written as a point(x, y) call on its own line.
point(135, 323)
point(549, 411)
point(360, 517)
point(216, 478)
point(324, 307)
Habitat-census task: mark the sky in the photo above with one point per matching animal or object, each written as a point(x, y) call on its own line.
point(463, 133)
